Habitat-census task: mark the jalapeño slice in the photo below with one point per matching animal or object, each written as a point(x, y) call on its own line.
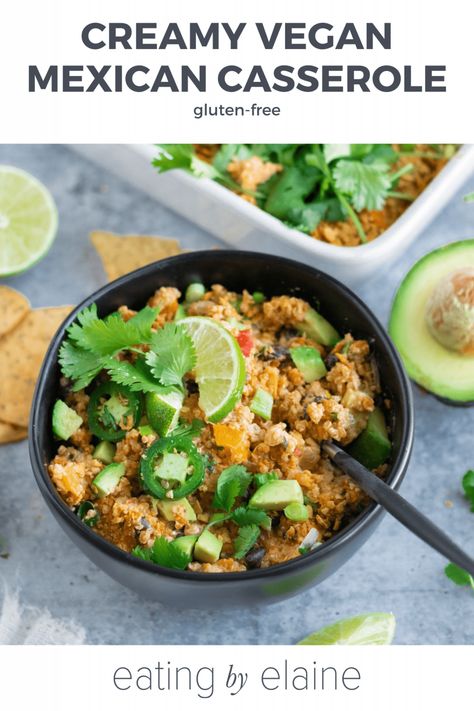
point(113, 409)
point(150, 470)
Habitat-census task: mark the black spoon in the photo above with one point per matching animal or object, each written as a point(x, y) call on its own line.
point(399, 507)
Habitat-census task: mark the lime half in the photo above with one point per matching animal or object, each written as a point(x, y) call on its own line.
point(220, 366)
point(28, 220)
point(375, 628)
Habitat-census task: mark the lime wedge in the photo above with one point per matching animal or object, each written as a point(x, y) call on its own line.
point(28, 220)
point(375, 628)
point(220, 366)
point(162, 410)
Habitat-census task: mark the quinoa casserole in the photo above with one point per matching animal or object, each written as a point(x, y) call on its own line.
point(189, 433)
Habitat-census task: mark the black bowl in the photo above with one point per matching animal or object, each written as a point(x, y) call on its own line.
point(236, 270)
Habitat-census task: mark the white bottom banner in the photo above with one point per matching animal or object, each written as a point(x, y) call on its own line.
point(150, 677)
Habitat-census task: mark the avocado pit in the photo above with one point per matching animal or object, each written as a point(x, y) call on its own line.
point(450, 311)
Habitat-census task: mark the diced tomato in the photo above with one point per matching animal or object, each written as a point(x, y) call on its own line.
point(245, 341)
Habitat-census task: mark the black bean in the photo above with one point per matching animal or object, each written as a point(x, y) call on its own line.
point(276, 521)
point(191, 386)
point(254, 558)
point(330, 361)
point(285, 332)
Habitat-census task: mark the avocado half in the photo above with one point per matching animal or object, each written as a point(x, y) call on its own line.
point(446, 373)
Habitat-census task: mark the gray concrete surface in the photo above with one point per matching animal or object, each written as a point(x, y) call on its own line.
point(393, 572)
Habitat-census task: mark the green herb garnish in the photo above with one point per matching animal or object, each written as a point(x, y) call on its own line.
point(232, 483)
point(458, 575)
point(165, 553)
point(261, 479)
point(468, 487)
point(172, 354)
point(317, 182)
point(246, 539)
point(93, 342)
point(243, 516)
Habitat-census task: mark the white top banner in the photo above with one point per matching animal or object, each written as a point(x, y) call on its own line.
point(345, 71)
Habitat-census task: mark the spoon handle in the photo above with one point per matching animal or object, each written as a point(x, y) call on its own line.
point(400, 508)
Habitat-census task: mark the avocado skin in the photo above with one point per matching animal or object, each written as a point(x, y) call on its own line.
point(372, 448)
point(432, 267)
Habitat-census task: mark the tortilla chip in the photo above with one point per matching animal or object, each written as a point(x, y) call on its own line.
point(21, 354)
point(123, 254)
point(13, 308)
point(11, 433)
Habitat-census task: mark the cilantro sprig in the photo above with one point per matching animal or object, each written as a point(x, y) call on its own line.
point(164, 553)
point(233, 483)
point(94, 344)
point(246, 539)
point(330, 182)
point(172, 354)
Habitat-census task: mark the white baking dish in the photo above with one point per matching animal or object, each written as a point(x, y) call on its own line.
point(242, 225)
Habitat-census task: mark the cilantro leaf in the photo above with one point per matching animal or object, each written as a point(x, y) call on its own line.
point(232, 482)
point(79, 365)
point(458, 575)
point(182, 155)
point(142, 552)
point(92, 340)
point(468, 486)
point(243, 516)
point(190, 430)
point(261, 479)
point(164, 553)
point(137, 376)
point(112, 334)
point(367, 185)
point(469, 197)
point(333, 151)
point(246, 539)
point(172, 354)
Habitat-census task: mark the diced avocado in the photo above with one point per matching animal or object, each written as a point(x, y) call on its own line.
point(66, 421)
point(162, 410)
point(296, 512)
point(276, 495)
point(166, 506)
point(106, 481)
point(316, 327)
point(185, 544)
point(104, 452)
point(208, 547)
point(117, 408)
point(372, 448)
point(432, 322)
point(172, 467)
point(309, 362)
point(262, 404)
